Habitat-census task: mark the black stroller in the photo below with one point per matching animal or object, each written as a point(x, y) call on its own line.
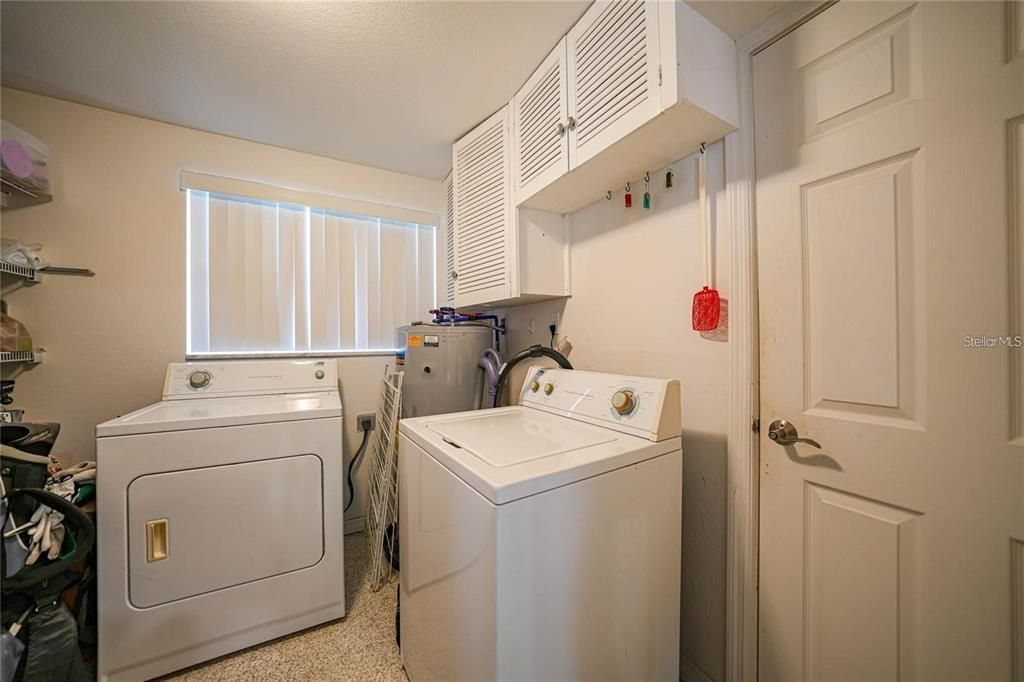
point(40, 636)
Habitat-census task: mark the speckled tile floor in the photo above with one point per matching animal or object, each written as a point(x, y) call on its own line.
point(360, 646)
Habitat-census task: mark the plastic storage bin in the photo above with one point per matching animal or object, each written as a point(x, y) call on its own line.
point(23, 160)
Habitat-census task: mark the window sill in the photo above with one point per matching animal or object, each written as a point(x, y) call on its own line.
point(291, 356)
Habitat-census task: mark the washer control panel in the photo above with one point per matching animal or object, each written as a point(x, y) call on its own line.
point(641, 406)
point(248, 377)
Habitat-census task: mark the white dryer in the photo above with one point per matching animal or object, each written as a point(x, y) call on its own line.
point(542, 541)
point(219, 514)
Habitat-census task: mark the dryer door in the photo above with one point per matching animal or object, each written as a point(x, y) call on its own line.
point(201, 530)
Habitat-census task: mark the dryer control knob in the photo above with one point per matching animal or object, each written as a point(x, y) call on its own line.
point(199, 379)
point(534, 385)
point(624, 401)
point(548, 388)
point(319, 374)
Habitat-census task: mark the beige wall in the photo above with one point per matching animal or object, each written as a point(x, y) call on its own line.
point(117, 209)
point(634, 273)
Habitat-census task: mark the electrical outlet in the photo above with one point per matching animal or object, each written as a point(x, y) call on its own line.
point(555, 319)
point(366, 422)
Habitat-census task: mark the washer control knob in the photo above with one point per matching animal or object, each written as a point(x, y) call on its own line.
point(534, 385)
point(548, 389)
point(319, 374)
point(624, 401)
point(199, 379)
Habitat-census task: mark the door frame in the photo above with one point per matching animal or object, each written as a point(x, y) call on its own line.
point(743, 465)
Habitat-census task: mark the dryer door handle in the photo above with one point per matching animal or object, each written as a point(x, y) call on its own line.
point(156, 540)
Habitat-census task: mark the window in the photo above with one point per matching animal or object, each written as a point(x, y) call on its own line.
point(272, 277)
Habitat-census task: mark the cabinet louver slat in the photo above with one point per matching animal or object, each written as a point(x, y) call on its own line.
point(482, 207)
point(449, 240)
point(603, 68)
point(612, 68)
point(539, 108)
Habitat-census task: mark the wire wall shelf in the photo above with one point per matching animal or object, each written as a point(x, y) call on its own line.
point(27, 356)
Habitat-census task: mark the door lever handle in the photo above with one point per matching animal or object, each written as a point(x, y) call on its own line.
point(785, 433)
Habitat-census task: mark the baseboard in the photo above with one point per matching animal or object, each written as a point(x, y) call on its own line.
point(688, 672)
point(355, 524)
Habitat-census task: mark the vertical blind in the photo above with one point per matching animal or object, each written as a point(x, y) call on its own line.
point(271, 277)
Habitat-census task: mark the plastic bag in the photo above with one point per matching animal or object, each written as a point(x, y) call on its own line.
point(13, 335)
point(10, 655)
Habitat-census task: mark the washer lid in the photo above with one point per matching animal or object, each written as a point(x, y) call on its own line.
point(509, 453)
point(204, 413)
point(510, 438)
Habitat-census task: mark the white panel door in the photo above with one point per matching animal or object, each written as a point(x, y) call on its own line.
point(540, 153)
point(484, 249)
point(613, 74)
point(449, 241)
point(882, 137)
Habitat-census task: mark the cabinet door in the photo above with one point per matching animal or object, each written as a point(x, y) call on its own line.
point(540, 152)
point(449, 241)
point(613, 74)
point(484, 250)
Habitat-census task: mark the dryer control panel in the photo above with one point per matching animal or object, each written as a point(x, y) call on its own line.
point(225, 378)
point(641, 406)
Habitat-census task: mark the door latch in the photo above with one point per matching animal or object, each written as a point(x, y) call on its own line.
point(785, 433)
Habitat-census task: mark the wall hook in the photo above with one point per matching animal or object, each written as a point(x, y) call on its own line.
point(627, 187)
point(647, 177)
point(703, 147)
point(608, 195)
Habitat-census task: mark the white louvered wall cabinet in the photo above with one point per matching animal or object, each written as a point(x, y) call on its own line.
point(634, 86)
point(502, 254)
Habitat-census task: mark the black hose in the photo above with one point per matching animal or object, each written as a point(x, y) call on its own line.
point(355, 458)
point(531, 352)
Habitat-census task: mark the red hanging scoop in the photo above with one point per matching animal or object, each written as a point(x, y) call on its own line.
point(707, 305)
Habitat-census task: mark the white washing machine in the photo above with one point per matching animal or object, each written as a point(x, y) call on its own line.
point(219, 514)
point(542, 541)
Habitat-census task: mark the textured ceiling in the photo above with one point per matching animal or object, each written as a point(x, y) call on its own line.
point(386, 84)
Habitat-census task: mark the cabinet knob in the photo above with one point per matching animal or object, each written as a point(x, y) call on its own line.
point(572, 123)
point(455, 275)
point(560, 129)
